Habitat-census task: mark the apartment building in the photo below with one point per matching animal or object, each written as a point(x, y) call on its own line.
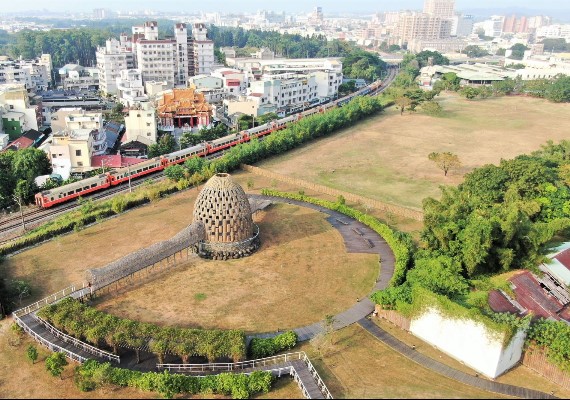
point(172, 60)
point(439, 8)
point(141, 124)
point(130, 88)
point(200, 51)
point(112, 58)
point(18, 115)
point(78, 78)
point(34, 74)
point(414, 25)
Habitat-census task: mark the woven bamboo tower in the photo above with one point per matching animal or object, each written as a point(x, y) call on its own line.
point(222, 206)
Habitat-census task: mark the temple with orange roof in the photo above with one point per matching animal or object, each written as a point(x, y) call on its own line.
point(179, 108)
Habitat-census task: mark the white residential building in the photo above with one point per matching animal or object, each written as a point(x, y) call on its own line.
point(14, 99)
point(141, 124)
point(34, 74)
point(83, 120)
point(202, 51)
point(130, 88)
point(115, 56)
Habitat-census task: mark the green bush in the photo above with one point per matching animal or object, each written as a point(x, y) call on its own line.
point(260, 348)
point(239, 386)
point(97, 327)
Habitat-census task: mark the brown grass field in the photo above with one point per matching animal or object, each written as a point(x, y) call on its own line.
point(385, 157)
point(395, 169)
point(301, 273)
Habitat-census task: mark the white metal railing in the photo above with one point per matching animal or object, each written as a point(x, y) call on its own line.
point(53, 347)
point(225, 367)
point(258, 363)
point(320, 383)
point(47, 300)
point(78, 343)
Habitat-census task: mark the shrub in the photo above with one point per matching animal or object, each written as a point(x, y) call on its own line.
point(260, 348)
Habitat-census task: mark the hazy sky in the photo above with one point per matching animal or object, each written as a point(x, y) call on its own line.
point(275, 5)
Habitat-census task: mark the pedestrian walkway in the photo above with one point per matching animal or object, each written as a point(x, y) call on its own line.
point(447, 371)
point(356, 237)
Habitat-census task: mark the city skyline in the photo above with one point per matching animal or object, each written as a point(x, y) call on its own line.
point(292, 6)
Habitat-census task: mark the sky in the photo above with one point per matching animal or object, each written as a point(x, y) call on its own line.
point(274, 5)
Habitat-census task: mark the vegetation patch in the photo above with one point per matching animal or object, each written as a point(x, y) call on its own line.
point(260, 347)
point(92, 374)
point(97, 328)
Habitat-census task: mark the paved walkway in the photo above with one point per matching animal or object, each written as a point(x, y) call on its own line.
point(447, 371)
point(358, 238)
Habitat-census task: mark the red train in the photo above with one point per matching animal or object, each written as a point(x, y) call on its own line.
point(52, 197)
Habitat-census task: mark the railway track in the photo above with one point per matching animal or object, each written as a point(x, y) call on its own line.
point(34, 217)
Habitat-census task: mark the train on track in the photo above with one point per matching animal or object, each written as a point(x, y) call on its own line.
point(62, 194)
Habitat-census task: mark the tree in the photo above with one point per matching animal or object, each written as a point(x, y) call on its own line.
point(401, 100)
point(166, 144)
point(474, 51)
point(559, 90)
point(440, 274)
point(435, 57)
point(469, 92)
point(445, 161)
point(32, 353)
point(20, 289)
point(55, 364)
point(175, 172)
point(393, 48)
point(518, 50)
point(347, 88)
point(432, 108)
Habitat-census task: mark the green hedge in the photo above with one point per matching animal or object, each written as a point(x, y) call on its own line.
point(554, 336)
point(260, 348)
point(400, 243)
point(96, 327)
point(93, 374)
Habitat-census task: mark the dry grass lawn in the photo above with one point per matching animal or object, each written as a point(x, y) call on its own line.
point(358, 366)
point(385, 157)
point(63, 261)
point(301, 273)
point(519, 376)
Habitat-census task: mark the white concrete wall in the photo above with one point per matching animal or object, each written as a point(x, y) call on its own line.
point(469, 341)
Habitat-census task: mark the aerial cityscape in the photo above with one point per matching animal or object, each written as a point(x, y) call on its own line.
point(285, 199)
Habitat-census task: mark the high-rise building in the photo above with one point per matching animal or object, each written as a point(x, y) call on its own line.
point(414, 25)
point(202, 51)
point(462, 25)
point(439, 8)
point(115, 56)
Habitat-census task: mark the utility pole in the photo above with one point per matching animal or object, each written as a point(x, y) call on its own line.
point(18, 199)
point(129, 172)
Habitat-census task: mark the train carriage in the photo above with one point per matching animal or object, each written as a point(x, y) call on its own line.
point(182, 155)
point(120, 175)
point(49, 198)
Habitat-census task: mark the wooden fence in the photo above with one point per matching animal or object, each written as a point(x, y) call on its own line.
point(394, 317)
point(537, 360)
point(379, 205)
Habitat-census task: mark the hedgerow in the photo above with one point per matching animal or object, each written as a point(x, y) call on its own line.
point(98, 328)
point(93, 374)
point(266, 347)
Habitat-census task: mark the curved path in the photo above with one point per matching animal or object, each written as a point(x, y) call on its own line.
point(447, 371)
point(357, 238)
point(364, 307)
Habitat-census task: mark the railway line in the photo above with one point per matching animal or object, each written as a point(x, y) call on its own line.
point(9, 226)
